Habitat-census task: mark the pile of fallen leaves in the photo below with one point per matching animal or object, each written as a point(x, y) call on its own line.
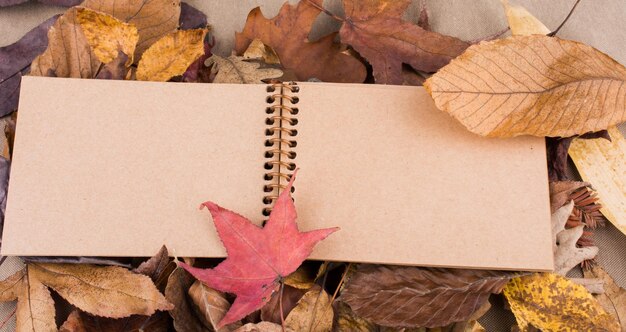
point(529, 84)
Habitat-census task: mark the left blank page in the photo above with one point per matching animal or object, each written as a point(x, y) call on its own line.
point(118, 168)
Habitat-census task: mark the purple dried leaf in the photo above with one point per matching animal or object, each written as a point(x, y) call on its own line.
point(191, 17)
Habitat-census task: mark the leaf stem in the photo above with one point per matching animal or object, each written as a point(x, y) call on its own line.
point(325, 11)
point(332, 299)
point(553, 33)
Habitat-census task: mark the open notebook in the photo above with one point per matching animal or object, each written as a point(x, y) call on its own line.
point(119, 168)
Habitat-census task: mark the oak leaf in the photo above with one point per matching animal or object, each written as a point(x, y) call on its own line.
point(553, 303)
point(531, 85)
point(153, 18)
point(235, 69)
point(15, 61)
point(68, 53)
point(376, 30)
point(399, 296)
point(107, 35)
point(258, 258)
point(603, 163)
point(287, 34)
point(171, 55)
point(613, 300)
point(566, 252)
point(312, 313)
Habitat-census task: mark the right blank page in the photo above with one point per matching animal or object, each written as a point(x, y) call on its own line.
point(408, 184)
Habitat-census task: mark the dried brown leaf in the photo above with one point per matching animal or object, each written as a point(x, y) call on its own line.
point(412, 296)
point(259, 51)
point(312, 313)
point(73, 323)
point(375, 29)
point(35, 307)
point(270, 312)
point(531, 85)
point(171, 55)
point(613, 300)
point(153, 18)
point(116, 69)
point(107, 291)
point(107, 35)
point(346, 320)
point(235, 70)
point(155, 265)
point(262, 327)
point(68, 53)
point(560, 192)
point(287, 34)
point(210, 305)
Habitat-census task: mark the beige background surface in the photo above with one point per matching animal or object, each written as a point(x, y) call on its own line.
point(599, 23)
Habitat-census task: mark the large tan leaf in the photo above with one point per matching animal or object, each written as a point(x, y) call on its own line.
point(613, 300)
point(419, 297)
point(35, 307)
point(107, 35)
point(68, 53)
point(312, 313)
point(535, 85)
point(153, 18)
point(171, 55)
point(107, 291)
point(235, 70)
point(603, 163)
point(553, 303)
point(10, 287)
point(521, 22)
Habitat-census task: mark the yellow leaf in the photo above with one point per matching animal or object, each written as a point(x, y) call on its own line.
point(531, 85)
point(107, 291)
point(235, 70)
point(153, 19)
point(521, 22)
point(603, 164)
point(171, 55)
point(312, 313)
point(107, 35)
point(68, 53)
point(551, 302)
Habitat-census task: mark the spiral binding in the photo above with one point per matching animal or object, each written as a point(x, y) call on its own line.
point(280, 140)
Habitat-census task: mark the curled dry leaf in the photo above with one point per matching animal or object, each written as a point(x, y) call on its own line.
point(15, 61)
point(258, 258)
point(171, 55)
point(376, 30)
point(419, 297)
point(68, 53)
point(153, 18)
point(107, 291)
point(287, 34)
point(613, 300)
point(566, 252)
point(107, 35)
point(259, 51)
point(553, 303)
point(531, 85)
point(312, 313)
point(235, 70)
point(603, 163)
point(521, 22)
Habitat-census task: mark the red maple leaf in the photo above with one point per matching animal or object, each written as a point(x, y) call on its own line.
point(258, 257)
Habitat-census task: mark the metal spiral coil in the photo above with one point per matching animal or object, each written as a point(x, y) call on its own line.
point(280, 140)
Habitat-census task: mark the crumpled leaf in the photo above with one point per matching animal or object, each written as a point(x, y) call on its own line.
point(287, 33)
point(15, 61)
point(210, 305)
point(107, 291)
point(153, 18)
point(312, 313)
point(603, 163)
point(156, 265)
point(521, 22)
point(375, 29)
point(68, 53)
point(171, 55)
point(107, 35)
point(259, 51)
point(553, 303)
point(566, 253)
point(400, 296)
point(235, 70)
point(613, 300)
point(257, 257)
point(531, 85)
point(191, 18)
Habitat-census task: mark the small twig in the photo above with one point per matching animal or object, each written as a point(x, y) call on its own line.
point(326, 11)
point(553, 33)
point(6, 320)
point(490, 37)
point(332, 299)
point(280, 305)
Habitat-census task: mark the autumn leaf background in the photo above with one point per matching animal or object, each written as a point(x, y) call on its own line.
point(399, 42)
